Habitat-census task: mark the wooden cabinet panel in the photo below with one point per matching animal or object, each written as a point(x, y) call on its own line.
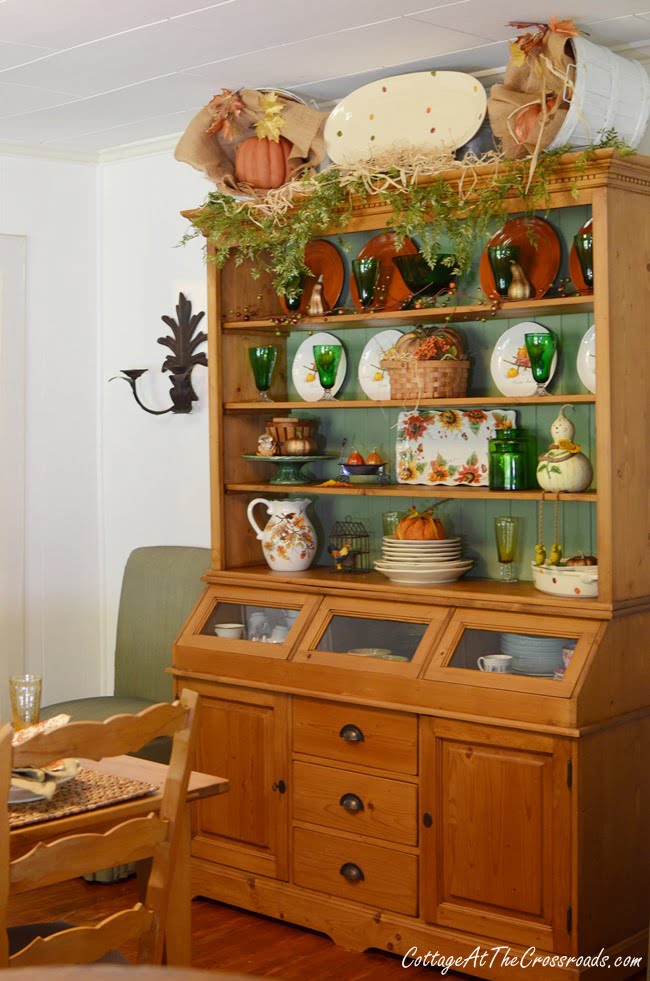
point(380, 876)
point(355, 802)
point(243, 736)
point(496, 856)
point(354, 734)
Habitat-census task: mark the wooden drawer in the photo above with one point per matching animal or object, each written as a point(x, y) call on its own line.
point(390, 878)
point(355, 802)
point(352, 734)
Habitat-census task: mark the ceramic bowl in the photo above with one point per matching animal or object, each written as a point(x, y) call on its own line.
point(578, 582)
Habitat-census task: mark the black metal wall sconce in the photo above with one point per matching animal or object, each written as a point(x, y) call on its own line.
point(179, 363)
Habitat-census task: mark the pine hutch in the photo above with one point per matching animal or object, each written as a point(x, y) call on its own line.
point(424, 804)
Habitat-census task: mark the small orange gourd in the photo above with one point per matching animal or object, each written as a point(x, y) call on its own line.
point(263, 163)
point(355, 458)
point(374, 459)
point(419, 526)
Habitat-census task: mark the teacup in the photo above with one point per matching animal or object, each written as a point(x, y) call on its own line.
point(567, 654)
point(233, 630)
point(502, 663)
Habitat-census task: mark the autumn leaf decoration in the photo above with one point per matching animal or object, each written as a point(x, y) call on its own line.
point(224, 110)
point(271, 121)
point(532, 40)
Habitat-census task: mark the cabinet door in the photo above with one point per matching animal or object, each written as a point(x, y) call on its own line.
point(496, 834)
point(243, 736)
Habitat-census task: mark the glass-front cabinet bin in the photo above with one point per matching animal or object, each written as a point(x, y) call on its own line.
point(367, 635)
point(513, 650)
point(250, 621)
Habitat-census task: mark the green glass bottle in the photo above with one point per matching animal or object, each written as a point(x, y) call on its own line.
point(513, 460)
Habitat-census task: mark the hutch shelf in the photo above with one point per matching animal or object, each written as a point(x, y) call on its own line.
point(410, 799)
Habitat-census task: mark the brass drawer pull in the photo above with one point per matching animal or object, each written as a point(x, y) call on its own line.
point(352, 734)
point(351, 803)
point(351, 872)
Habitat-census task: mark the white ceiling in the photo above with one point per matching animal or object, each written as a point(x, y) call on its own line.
point(87, 75)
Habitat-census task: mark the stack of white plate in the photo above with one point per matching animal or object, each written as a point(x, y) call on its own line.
point(537, 656)
point(421, 563)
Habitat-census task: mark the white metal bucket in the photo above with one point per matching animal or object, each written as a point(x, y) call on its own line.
point(610, 92)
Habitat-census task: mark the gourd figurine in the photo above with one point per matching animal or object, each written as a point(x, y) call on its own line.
point(520, 287)
point(564, 467)
point(266, 445)
point(316, 306)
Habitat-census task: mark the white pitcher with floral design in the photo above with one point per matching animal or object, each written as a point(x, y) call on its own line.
point(288, 540)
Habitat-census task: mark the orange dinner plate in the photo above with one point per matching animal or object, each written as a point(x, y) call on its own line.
point(539, 254)
point(391, 291)
point(323, 259)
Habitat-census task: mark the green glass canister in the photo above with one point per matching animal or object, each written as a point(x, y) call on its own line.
point(513, 459)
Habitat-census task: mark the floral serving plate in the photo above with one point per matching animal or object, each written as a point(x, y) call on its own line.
point(510, 366)
point(424, 109)
point(447, 448)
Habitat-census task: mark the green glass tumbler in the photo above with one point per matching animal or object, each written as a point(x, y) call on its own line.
point(506, 534)
point(327, 358)
point(500, 257)
point(366, 276)
point(541, 350)
point(262, 361)
point(293, 298)
point(584, 243)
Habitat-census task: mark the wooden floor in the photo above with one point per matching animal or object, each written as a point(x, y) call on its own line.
point(224, 938)
point(227, 939)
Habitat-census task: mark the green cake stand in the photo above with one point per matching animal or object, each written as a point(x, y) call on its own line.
point(289, 469)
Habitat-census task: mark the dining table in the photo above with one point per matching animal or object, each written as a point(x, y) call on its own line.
point(101, 818)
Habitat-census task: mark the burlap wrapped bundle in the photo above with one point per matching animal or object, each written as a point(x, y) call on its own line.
point(214, 155)
point(540, 76)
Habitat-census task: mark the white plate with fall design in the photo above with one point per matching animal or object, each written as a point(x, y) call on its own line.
point(423, 109)
point(373, 380)
point(510, 366)
point(586, 362)
point(303, 369)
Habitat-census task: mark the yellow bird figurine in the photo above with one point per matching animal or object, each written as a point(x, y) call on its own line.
point(540, 554)
point(555, 555)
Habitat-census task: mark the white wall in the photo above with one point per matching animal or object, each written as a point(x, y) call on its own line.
point(54, 204)
point(154, 470)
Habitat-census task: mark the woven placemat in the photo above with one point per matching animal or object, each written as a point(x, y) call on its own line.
point(90, 790)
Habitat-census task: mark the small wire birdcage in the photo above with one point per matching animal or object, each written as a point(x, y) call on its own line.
point(349, 546)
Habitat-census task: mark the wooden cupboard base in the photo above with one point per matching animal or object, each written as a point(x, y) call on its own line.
point(359, 927)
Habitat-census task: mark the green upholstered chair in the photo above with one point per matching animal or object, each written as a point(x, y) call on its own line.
point(161, 584)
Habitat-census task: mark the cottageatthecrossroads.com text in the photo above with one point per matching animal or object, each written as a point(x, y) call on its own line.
point(504, 957)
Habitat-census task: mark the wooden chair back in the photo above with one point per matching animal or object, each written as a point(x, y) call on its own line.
point(156, 835)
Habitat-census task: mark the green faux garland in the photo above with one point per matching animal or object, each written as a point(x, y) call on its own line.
point(429, 211)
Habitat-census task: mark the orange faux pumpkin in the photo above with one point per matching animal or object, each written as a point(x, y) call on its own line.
point(419, 526)
point(355, 459)
point(263, 163)
point(409, 343)
point(373, 458)
point(528, 116)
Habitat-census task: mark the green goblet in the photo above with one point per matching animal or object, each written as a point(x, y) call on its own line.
point(262, 361)
point(505, 531)
point(584, 243)
point(293, 298)
point(327, 358)
point(541, 350)
point(366, 276)
point(500, 257)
